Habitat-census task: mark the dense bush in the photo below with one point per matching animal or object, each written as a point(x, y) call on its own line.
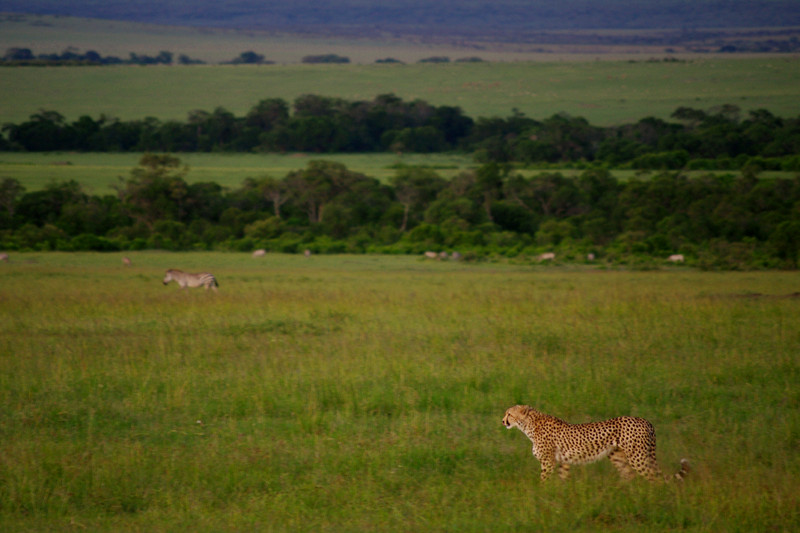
point(715, 222)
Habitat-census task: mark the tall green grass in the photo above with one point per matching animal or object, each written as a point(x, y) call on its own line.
point(365, 393)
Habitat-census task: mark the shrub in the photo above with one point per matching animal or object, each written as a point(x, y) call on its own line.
point(326, 245)
point(89, 242)
point(435, 59)
point(674, 160)
point(268, 228)
point(325, 58)
point(425, 233)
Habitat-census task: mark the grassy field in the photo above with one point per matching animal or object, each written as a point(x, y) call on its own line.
point(345, 393)
point(99, 172)
point(604, 92)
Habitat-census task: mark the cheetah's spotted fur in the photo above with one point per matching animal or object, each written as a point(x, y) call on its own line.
point(629, 442)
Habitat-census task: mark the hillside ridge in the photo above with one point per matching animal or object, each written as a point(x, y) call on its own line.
point(506, 20)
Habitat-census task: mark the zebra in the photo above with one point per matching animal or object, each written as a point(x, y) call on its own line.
point(184, 279)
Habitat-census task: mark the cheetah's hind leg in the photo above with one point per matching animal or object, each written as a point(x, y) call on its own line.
point(620, 461)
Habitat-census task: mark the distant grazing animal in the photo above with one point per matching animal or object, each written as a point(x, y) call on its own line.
point(676, 258)
point(307, 253)
point(260, 253)
point(431, 255)
point(629, 442)
point(4, 257)
point(126, 261)
point(549, 256)
point(184, 279)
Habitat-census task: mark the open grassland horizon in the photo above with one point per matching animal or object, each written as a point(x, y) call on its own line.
point(366, 393)
point(46, 34)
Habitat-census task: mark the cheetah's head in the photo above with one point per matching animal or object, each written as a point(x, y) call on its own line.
point(514, 416)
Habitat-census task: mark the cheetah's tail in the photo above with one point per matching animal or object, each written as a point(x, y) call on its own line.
point(683, 470)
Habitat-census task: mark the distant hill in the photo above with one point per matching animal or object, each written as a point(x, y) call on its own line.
point(503, 20)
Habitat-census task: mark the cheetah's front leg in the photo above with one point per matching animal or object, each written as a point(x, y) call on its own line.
point(548, 461)
point(546, 472)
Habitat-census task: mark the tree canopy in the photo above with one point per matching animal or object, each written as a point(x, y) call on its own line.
point(733, 221)
point(696, 139)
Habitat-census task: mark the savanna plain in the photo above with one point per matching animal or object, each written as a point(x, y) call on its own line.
point(350, 393)
point(603, 92)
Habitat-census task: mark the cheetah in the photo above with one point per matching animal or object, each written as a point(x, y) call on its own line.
point(629, 442)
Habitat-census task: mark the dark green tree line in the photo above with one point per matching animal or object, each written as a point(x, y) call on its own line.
point(730, 221)
point(18, 57)
point(716, 139)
